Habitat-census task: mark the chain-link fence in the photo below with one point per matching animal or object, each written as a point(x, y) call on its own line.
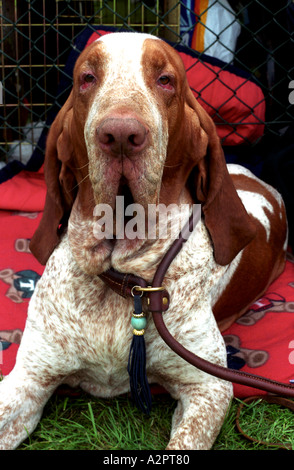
point(37, 37)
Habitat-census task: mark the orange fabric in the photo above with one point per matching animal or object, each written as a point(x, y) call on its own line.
point(199, 32)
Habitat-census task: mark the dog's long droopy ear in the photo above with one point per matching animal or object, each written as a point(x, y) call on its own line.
point(226, 219)
point(60, 183)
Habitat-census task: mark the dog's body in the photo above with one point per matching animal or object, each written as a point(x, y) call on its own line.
point(132, 120)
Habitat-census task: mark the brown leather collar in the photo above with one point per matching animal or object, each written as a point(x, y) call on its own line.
point(158, 302)
point(125, 284)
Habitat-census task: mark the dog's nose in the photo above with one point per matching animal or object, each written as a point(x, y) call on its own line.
point(122, 136)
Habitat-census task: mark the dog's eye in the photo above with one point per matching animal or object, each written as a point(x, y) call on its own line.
point(164, 80)
point(89, 78)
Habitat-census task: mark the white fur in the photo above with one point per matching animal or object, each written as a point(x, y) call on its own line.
point(255, 205)
point(235, 169)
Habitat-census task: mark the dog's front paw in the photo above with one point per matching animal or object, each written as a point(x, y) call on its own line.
point(20, 412)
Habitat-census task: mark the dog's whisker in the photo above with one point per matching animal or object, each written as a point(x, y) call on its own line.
point(80, 182)
point(172, 166)
point(83, 166)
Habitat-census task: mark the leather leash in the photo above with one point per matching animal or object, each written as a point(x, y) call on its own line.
point(158, 302)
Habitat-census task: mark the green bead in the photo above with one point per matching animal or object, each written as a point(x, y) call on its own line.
point(139, 323)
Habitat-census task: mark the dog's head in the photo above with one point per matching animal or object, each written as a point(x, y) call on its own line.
point(131, 126)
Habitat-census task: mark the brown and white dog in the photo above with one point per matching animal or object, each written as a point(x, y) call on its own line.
point(131, 125)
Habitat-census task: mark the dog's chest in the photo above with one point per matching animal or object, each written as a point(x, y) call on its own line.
point(105, 334)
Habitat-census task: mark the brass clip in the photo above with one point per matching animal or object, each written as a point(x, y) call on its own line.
point(146, 289)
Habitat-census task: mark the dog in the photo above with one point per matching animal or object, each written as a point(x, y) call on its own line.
point(131, 127)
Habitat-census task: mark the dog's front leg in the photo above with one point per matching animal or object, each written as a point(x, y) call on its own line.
point(22, 400)
point(40, 367)
point(199, 415)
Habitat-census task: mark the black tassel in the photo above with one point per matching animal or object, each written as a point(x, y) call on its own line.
point(140, 390)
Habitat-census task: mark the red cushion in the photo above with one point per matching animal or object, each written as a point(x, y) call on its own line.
point(19, 272)
point(263, 338)
point(26, 191)
point(235, 104)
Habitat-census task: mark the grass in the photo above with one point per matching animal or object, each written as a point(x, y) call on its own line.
point(86, 423)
